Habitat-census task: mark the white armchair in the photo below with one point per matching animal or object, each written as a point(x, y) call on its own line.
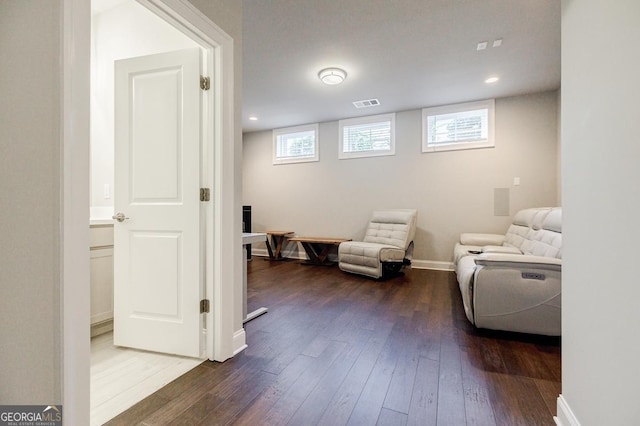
point(387, 245)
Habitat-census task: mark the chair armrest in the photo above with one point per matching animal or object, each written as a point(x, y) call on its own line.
point(409, 252)
point(519, 293)
point(501, 249)
point(471, 239)
point(518, 261)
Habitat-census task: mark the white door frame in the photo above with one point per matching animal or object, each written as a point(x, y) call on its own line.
point(225, 335)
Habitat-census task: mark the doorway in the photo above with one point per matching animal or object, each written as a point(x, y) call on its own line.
point(222, 215)
point(121, 377)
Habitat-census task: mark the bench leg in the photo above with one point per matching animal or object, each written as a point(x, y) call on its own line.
point(317, 253)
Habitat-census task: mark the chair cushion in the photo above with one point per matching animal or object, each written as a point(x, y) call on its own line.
point(370, 271)
point(369, 254)
point(462, 250)
point(392, 227)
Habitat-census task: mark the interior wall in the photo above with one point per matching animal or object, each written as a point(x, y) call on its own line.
point(125, 31)
point(453, 191)
point(600, 163)
point(30, 49)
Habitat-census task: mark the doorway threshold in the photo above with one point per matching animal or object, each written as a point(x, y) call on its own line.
point(122, 377)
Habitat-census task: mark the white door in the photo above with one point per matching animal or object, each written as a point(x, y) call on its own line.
point(157, 259)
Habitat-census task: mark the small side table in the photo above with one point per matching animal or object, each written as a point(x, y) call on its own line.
point(277, 239)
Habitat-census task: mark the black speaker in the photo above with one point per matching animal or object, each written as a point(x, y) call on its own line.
point(246, 226)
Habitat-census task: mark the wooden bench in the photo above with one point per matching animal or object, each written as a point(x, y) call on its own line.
point(277, 239)
point(317, 248)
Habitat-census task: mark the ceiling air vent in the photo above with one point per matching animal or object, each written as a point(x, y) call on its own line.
point(366, 103)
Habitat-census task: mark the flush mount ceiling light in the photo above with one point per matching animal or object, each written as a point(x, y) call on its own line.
point(492, 80)
point(253, 118)
point(332, 76)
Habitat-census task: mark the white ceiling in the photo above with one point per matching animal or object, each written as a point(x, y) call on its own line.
point(406, 53)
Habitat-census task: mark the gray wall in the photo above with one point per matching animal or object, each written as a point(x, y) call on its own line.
point(601, 171)
point(30, 190)
point(453, 191)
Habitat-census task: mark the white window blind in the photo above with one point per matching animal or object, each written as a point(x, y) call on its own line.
point(367, 136)
point(461, 126)
point(295, 144)
point(466, 126)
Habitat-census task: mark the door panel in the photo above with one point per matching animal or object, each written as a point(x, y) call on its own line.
point(155, 265)
point(157, 255)
point(157, 113)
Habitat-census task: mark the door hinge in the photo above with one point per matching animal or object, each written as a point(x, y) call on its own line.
point(205, 194)
point(205, 82)
point(204, 306)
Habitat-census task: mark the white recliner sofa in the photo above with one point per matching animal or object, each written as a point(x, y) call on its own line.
point(387, 245)
point(512, 282)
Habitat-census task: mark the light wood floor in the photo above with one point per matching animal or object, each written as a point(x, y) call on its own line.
point(121, 377)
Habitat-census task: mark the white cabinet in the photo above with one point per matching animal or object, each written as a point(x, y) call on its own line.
point(101, 269)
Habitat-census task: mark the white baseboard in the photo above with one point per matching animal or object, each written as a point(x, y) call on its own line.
point(239, 341)
point(101, 327)
point(289, 254)
point(432, 264)
point(415, 263)
point(565, 416)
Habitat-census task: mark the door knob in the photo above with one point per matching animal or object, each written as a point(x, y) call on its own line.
point(120, 217)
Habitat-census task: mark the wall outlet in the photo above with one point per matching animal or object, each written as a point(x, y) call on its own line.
point(516, 181)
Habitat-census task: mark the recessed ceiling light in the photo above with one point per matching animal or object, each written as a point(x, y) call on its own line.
point(497, 42)
point(253, 118)
point(482, 45)
point(332, 76)
point(492, 80)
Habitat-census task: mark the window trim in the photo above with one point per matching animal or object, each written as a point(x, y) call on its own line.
point(296, 129)
point(488, 104)
point(391, 117)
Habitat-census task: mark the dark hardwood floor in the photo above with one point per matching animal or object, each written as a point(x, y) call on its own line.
point(337, 349)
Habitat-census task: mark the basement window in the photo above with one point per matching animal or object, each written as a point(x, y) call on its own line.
point(370, 136)
point(461, 126)
point(296, 144)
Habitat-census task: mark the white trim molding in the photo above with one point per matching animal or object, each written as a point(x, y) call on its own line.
point(565, 416)
point(435, 265)
point(289, 254)
point(239, 341)
point(75, 27)
point(223, 274)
